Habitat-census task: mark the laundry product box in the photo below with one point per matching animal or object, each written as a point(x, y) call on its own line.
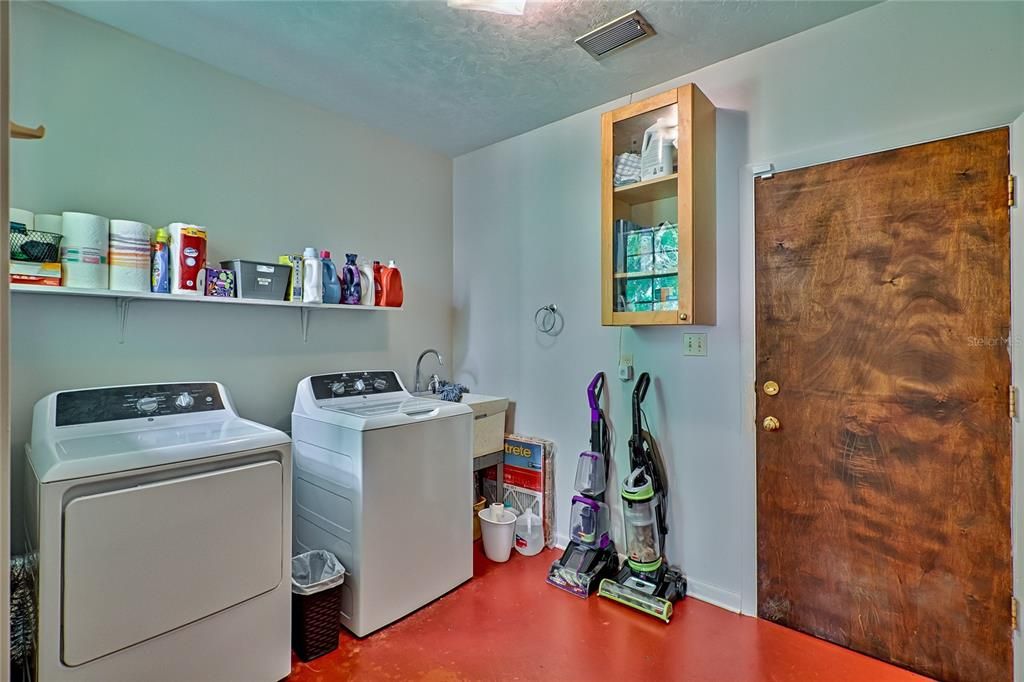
point(40, 274)
point(219, 283)
point(529, 479)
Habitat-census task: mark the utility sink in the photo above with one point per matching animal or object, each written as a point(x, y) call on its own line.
point(488, 420)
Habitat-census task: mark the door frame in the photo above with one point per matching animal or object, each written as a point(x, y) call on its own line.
point(1017, 363)
point(894, 139)
point(5, 367)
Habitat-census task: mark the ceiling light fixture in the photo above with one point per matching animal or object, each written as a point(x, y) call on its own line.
point(495, 6)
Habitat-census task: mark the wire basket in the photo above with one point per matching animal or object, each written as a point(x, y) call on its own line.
point(35, 246)
point(316, 623)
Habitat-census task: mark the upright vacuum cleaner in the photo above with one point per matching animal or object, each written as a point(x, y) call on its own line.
point(646, 582)
point(590, 556)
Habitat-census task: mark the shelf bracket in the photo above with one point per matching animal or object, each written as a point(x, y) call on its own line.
point(122, 304)
point(304, 323)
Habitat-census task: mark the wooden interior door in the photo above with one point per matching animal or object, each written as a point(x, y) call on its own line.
point(883, 311)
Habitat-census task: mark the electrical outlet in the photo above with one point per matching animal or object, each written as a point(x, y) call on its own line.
point(626, 367)
point(695, 344)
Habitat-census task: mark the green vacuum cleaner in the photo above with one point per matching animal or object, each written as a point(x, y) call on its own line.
point(645, 582)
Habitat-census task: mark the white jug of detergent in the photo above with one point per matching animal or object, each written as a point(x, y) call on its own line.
point(657, 153)
point(529, 533)
point(312, 277)
point(366, 279)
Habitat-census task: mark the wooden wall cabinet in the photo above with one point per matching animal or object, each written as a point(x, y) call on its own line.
point(658, 235)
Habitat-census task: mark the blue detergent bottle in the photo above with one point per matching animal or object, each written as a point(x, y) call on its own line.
point(332, 285)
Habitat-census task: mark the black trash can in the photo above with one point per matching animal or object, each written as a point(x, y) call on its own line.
point(316, 603)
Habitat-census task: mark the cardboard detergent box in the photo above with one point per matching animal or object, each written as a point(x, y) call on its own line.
point(529, 479)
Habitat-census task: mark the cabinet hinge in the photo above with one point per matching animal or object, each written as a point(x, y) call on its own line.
point(1011, 190)
point(1013, 612)
point(1013, 402)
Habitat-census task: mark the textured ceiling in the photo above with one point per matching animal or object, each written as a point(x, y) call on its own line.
point(455, 80)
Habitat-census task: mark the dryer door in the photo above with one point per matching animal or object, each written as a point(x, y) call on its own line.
point(144, 560)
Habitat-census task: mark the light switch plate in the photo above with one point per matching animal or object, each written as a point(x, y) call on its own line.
point(695, 344)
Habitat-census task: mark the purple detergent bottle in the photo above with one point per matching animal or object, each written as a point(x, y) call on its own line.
point(351, 289)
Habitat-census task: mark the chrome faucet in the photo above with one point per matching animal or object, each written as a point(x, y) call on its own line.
point(416, 387)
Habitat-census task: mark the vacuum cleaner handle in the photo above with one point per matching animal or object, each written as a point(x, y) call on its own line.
point(643, 382)
point(594, 391)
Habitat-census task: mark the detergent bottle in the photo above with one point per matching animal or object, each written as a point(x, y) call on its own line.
point(332, 285)
point(529, 533)
point(378, 284)
point(312, 277)
point(366, 281)
point(656, 155)
point(392, 292)
point(161, 278)
point(351, 290)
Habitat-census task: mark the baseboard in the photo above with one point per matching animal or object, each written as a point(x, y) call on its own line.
point(712, 594)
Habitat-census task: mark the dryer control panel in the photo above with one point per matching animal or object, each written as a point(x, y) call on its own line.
point(352, 384)
point(131, 402)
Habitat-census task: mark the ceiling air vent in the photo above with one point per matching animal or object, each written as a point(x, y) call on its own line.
point(626, 30)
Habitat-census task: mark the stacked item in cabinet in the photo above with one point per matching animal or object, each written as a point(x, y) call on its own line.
point(646, 266)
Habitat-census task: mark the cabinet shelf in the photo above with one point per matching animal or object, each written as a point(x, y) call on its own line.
point(664, 187)
point(123, 299)
point(641, 275)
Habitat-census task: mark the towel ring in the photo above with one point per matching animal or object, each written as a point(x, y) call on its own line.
point(546, 318)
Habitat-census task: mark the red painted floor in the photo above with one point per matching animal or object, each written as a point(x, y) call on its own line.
point(508, 624)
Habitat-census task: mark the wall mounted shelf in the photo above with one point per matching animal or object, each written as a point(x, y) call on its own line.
point(123, 299)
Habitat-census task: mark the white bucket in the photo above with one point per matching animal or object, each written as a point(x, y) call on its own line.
point(499, 530)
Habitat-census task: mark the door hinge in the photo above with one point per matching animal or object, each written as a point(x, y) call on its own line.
point(1013, 612)
point(1013, 402)
point(1011, 190)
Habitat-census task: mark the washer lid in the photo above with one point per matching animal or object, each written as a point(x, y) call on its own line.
point(365, 401)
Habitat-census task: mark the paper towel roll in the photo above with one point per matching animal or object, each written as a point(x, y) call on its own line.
point(129, 255)
point(22, 218)
point(84, 250)
point(47, 222)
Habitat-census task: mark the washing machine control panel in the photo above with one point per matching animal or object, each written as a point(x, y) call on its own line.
point(131, 402)
point(352, 384)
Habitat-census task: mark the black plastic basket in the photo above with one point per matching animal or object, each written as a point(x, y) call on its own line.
point(35, 246)
point(316, 623)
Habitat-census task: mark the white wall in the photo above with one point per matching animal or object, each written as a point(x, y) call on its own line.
point(527, 219)
point(136, 131)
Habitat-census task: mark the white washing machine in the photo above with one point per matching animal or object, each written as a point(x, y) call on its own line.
point(383, 480)
point(162, 522)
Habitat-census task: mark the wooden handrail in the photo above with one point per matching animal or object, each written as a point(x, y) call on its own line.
point(21, 132)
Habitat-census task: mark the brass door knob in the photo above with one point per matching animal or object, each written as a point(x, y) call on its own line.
point(771, 424)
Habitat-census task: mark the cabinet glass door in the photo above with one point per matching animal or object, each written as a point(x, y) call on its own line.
point(645, 234)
